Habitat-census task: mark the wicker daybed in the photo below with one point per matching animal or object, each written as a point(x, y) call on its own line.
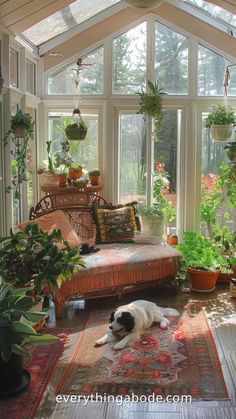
point(118, 267)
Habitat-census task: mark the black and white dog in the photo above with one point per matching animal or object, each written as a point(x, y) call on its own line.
point(129, 322)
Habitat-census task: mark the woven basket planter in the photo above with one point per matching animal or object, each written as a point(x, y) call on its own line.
point(76, 132)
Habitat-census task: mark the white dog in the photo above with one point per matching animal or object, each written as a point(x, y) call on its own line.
point(129, 322)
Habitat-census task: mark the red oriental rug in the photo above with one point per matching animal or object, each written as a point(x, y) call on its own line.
point(181, 360)
point(40, 365)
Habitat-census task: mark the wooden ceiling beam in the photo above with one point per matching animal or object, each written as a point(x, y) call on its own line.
point(31, 13)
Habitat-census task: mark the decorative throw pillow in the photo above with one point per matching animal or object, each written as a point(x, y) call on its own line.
point(115, 224)
point(56, 220)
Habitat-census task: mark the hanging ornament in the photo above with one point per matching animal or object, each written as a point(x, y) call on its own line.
point(77, 130)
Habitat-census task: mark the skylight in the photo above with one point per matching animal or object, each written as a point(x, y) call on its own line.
point(214, 11)
point(65, 19)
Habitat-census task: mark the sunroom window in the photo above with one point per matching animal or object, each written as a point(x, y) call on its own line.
point(91, 77)
point(83, 152)
point(211, 70)
point(171, 60)
point(129, 60)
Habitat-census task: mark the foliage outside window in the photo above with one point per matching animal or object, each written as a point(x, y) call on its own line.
point(161, 190)
point(211, 70)
point(129, 61)
point(171, 55)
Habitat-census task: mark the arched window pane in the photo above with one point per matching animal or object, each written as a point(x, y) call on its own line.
point(211, 70)
point(91, 77)
point(129, 61)
point(171, 61)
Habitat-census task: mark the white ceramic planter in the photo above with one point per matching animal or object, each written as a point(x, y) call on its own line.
point(221, 132)
point(153, 225)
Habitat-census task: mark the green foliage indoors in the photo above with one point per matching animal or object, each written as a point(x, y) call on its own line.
point(227, 179)
point(149, 211)
point(151, 104)
point(94, 172)
point(201, 253)
point(20, 149)
point(15, 306)
point(220, 115)
point(32, 255)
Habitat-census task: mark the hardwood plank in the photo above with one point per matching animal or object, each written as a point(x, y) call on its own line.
point(208, 413)
point(12, 5)
point(31, 15)
point(78, 410)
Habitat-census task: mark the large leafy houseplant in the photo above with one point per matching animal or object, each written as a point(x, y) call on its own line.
point(202, 260)
point(17, 333)
point(151, 103)
point(33, 255)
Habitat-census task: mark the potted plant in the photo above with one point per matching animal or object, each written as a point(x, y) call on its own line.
point(16, 334)
point(153, 220)
point(151, 105)
point(50, 176)
point(221, 121)
point(202, 260)
point(34, 256)
point(226, 241)
point(231, 150)
point(75, 171)
point(94, 177)
point(62, 178)
point(77, 130)
point(19, 134)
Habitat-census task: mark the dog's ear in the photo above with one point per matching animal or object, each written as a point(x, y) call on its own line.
point(112, 318)
point(127, 320)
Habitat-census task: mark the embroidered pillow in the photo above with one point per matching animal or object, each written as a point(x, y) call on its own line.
point(56, 220)
point(114, 224)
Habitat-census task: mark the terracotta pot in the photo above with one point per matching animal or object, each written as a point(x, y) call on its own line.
point(221, 132)
point(94, 180)
point(202, 281)
point(172, 239)
point(48, 179)
point(225, 278)
point(20, 132)
point(75, 174)
point(62, 181)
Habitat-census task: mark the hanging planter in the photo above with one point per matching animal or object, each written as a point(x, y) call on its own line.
point(77, 130)
point(221, 121)
point(221, 132)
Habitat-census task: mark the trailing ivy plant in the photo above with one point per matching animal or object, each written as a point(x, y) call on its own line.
point(151, 105)
point(19, 149)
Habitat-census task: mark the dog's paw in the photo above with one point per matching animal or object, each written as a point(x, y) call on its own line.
point(118, 347)
point(164, 323)
point(98, 343)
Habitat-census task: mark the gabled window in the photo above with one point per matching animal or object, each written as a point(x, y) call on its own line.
point(129, 60)
point(211, 70)
point(171, 60)
point(91, 77)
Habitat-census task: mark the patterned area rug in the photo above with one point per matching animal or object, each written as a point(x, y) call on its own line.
point(181, 360)
point(40, 365)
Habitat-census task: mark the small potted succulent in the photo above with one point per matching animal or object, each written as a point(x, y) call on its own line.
point(94, 177)
point(152, 219)
point(76, 130)
point(221, 121)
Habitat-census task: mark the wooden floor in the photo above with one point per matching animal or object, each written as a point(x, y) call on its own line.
point(221, 310)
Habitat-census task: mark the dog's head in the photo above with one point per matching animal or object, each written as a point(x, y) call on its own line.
point(121, 322)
